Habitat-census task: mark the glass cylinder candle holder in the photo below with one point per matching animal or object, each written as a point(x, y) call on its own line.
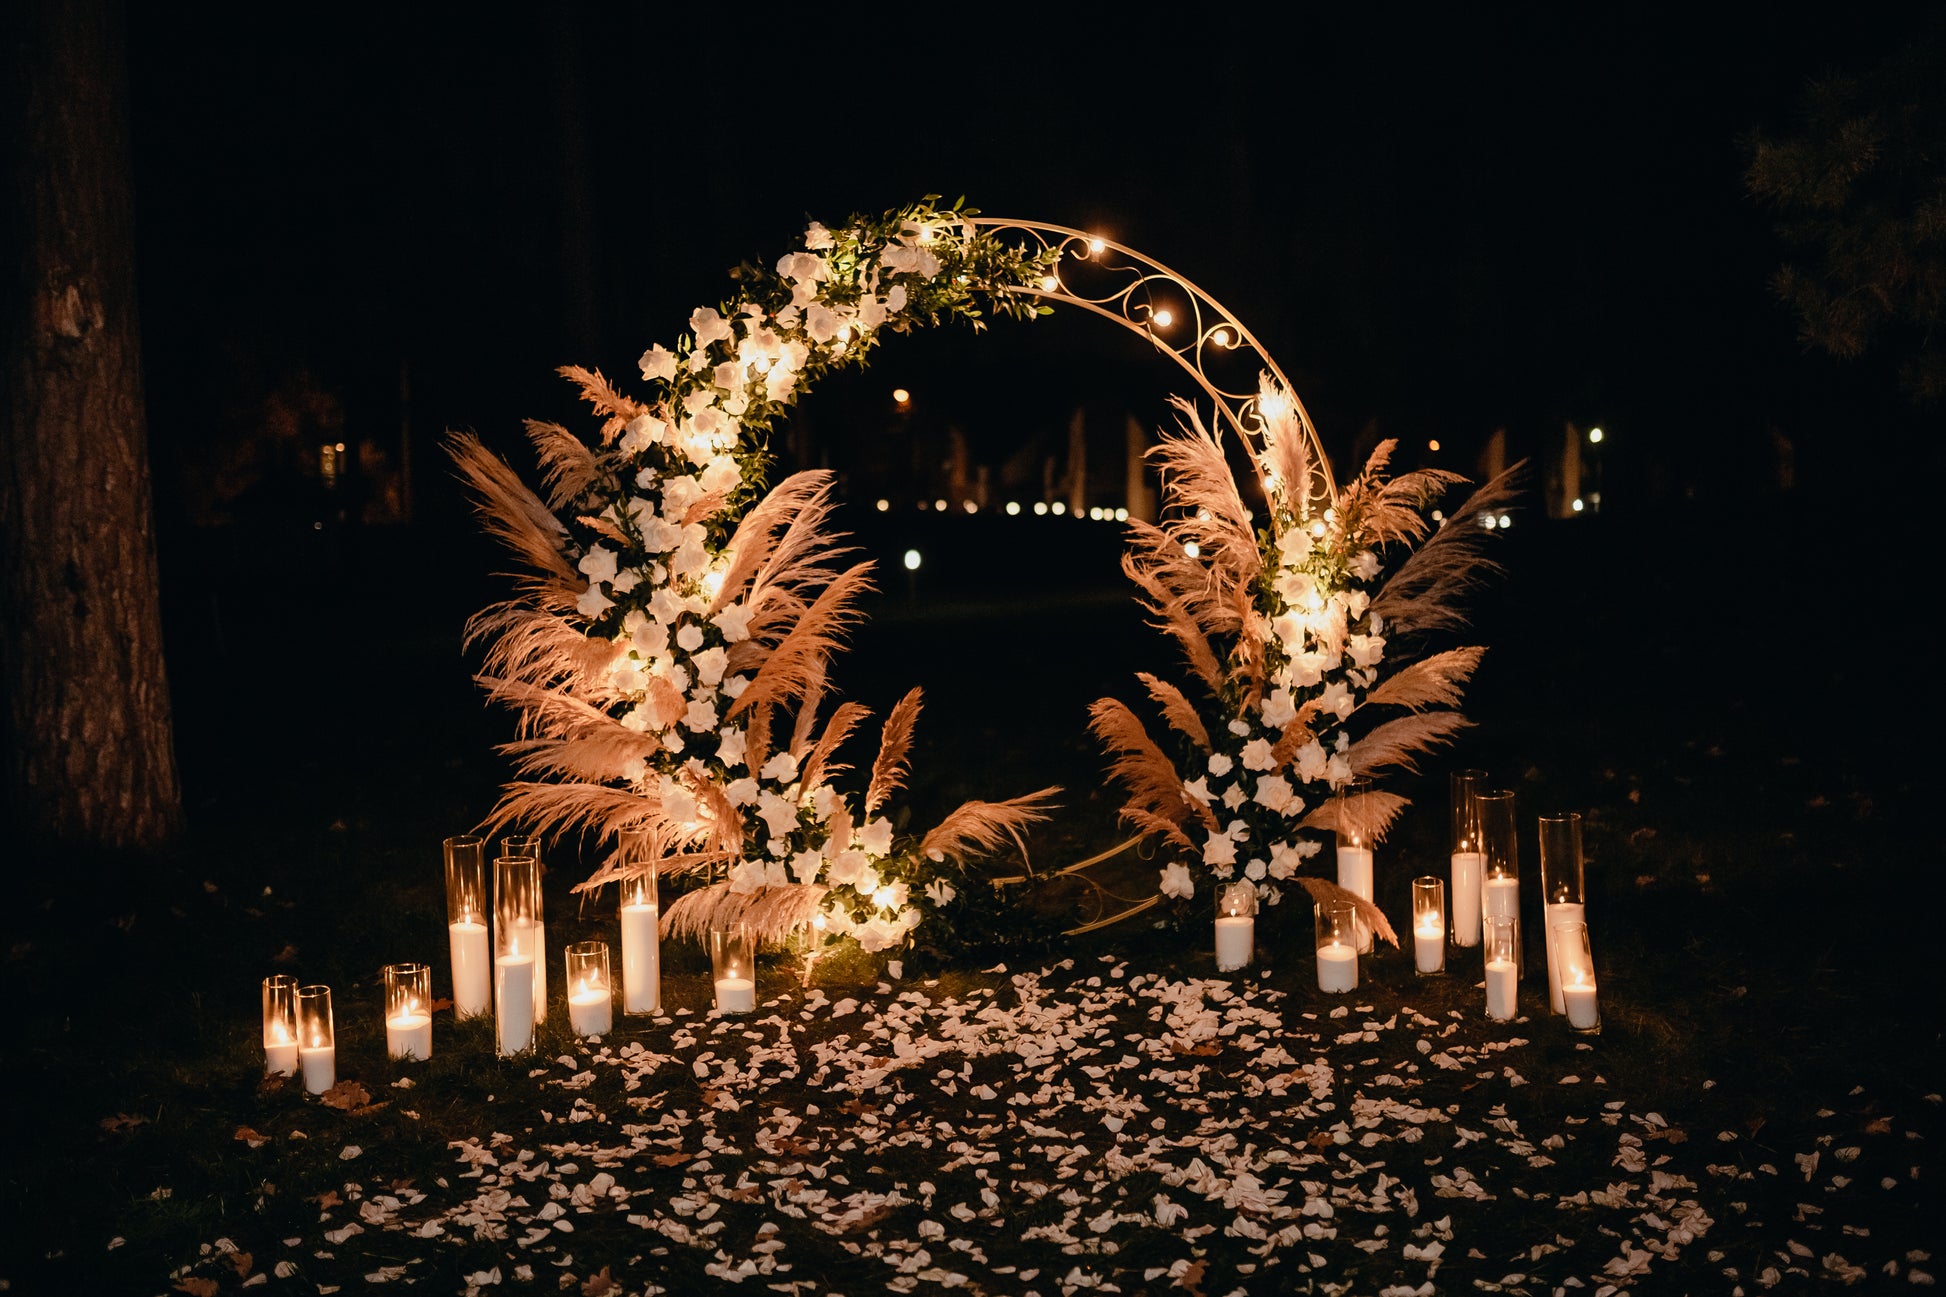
point(591, 996)
point(280, 1025)
point(1337, 932)
point(1355, 842)
point(466, 925)
point(528, 844)
point(734, 968)
point(1236, 925)
point(641, 920)
point(1429, 924)
point(1501, 932)
point(317, 1039)
point(408, 1011)
point(515, 880)
point(1577, 975)
point(1499, 861)
point(1563, 892)
point(1465, 894)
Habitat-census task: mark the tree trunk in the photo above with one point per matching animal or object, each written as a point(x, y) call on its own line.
point(89, 746)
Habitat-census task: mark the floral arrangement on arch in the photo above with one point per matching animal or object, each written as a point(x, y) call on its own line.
point(1293, 631)
point(667, 652)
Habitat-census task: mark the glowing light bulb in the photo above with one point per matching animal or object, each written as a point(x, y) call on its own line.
point(1505, 521)
point(1040, 508)
point(1594, 437)
point(1433, 444)
point(1013, 508)
point(912, 560)
point(1121, 515)
point(939, 506)
point(884, 505)
point(1192, 549)
point(901, 397)
point(1097, 247)
point(1060, 507)
point(1578, 506)
point(1220, 338)
point(1164, 318)
point(970, 506)
point(1049, 284)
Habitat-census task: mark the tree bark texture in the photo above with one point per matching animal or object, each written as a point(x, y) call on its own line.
point(90, 756)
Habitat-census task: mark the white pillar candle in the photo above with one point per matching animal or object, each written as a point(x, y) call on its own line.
point(1500, 897)
point(1355, 875)
point(1500, 989)
point(736, 994)
point(320, 1063)
point(1579, 999)
point(472, 981)
point(1558, 912)
point(1236, 936)
point(1465, 898)
point(409, 1035)
point(280, 1053)
point(1429, 946)
point(591, 1011)
point(1337, 968)
point(513, 995)
point(641, 959)
point(540, 970)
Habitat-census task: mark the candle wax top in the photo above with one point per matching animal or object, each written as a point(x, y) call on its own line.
point(414, 1019)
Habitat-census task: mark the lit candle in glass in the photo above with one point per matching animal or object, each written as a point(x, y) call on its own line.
point(734, 968)
point(1466, 856)
point(317, 1039)
point(1563, 892)
point(280, 1025)
point(1337, 945)
point(641, 937)
point(466, 926)
point(408, 1011)
point(1355, 837)
point(515, 880)
point(1502, 982)
point(1499, 862)
point(1429, 924)
point(528, 844)
point(1236, 925)
point(591, 999)
point(1577, 975)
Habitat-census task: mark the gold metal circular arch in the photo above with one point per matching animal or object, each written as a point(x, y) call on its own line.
point(1118, 283)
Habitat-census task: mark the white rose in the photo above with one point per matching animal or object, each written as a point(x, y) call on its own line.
point(1256, 755)
point(750, 876)
point(1365, 566)
point(1176, 880)
point(1254, 870)
point(709, 326)
point(1273, 792)
point(816, 237)
point(805, 865)
point(876, 837)
point(721, 474)
point(741, 792)
point(690, 637)
point(1337, 699)
point(734, 622)
point(940, 892)
point(1365, 650)
point(678, 803)
point(658, 362)
point(709, 663)
point(1279, 709)
point(1310, 762)
point(847, 867)
point(1219, 850)
point(700, 716)
point(780, 769)
point(729, 747)
point(598, 564)
point(1198, 788)
point(1219, 764)
point(778, 815)
point(643, 431)
point(593, 603)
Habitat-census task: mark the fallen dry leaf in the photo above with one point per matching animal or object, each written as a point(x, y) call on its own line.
point(328, 1199)
point(1882, 1126)
point(254, 1138)
point(1191, 1277)
point(288, 955)
point(345, 1095)
point(122, 1121)
point(598, 1285)
point(197, 1286)
point(671, 1159)
point(244, 1264)
point(441, 1004)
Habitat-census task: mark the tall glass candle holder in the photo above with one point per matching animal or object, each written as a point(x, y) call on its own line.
point(735, 969)
point(1564, 896)
point(591, 996)
point(528, 844)
point(1577, 975)
point(1499, 861)
point(1429, 924)
point(1503, 979)
point(1465, 896)
point(515, 881)
point(317, 1039)
point(408, 1011)
point(1355, 840)
point(280, 1025)
point(466, 925)
point(641, 930)
point(1337, 933)
point(1236, 925)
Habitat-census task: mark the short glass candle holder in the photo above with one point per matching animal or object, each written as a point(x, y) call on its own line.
point(1577, 976)
point(280, 1025)
point(1564, 897)
point(641, 920)
point(1502, 978)
point(734, 968)
point(515, 881)
point(1337, 945)
point(1465, 895)
point(466, 925)
point(591, 996)
point(1499, 861)
point(408, 1011)
point(1236, 925)
point(1355, 841)
point(528, 844)
point(317, 1039)
point(1429, 924)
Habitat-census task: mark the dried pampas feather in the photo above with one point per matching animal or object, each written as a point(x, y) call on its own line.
point(517, 518)
point(819, 767)
point(797, 663)
point(981, 827)
point(1176, 709)
point(606, 400)
point(1139, 766)
point(772, 913)
point(1397, 742)
point(1437, 681)
point(1375, 814)
point(781, 543)
point(559, 808)
point(1196, 476)
point(567, 465)
point(894, 749)
point(1425, 593)
point(1374, 917)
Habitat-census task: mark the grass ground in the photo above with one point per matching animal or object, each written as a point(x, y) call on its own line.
point(1757, 1113)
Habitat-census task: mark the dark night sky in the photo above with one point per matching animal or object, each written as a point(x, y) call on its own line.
point(1442, 224)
